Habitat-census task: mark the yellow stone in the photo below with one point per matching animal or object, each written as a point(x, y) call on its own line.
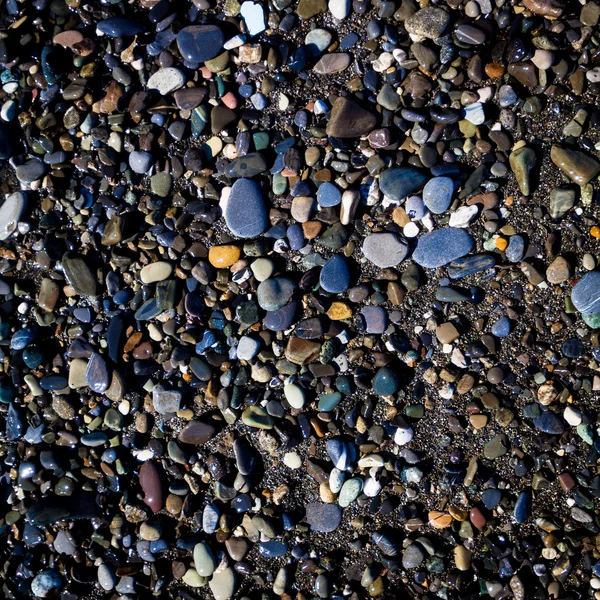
point(222, 257)
point(338, 311)
point(439, 520)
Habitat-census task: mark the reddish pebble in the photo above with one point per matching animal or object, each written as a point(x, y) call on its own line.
point(151, 486)
point(205, 72)
point(229, 100)
point(567, 483)
point(477, 518)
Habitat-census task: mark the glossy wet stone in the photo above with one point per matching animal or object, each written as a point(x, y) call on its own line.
point(199, 43)
point(586, 294)
point(245, 213)
point(399, 182)
point(441, 247)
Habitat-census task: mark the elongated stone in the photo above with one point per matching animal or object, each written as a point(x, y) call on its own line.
point(151, 484)
point(578, 166)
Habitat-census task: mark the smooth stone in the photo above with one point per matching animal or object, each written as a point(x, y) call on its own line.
point(522, 161)
point(523, 507)
point(384, 249)
point(350, 491)
point(437, 194)
point(274, 293)
point(79, 275)
point(562, 200)
point(413, 556)
point(97, 375)
point(469, 34)
point(30, 171)
point(197, 433)
point(273, 549)
point(515, 249)
point(247, 166)
point(106, 578)
point(165, 401)
point(398, 182)
point(578, 166)
point(282, 319)
point(549, 423)
point(385, 382)
point(332, 63)
point(224, 256)
point(140, 162)
point(156, 271)
point(342, 453)
point(317, 41)
point(339, 9)
point(160, 183)
point(335, 276)
point(586, 294)
point(329, 195)
point(349, 120)
point(11, 212)
point(469, 265)
point(245, 212)
point(254, 17)
point(204, 560)
point(294, 395)
point(502, 327)
point(375, 319)
point(222, 584)
point(257, 417)
point(151, 484)
point(327, 402)
point(322, 517)
point(442, 246)
point(63, 545)
point(120, 27)
point(167, 80)
point(199, 43)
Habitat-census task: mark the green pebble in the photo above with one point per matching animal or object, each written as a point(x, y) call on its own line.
point(350, 491)
point(592, 321)
point(385, 383)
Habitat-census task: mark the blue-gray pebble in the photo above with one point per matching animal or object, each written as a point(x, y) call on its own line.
point(245, 213)
point(335, 277)
point(199, 43)
point(398, 182)
point(437, 194)
point(328, 194)
point(502, 327)
point(442, 246)
point(586, 294)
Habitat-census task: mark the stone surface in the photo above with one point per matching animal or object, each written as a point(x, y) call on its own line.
point(245, 213)
point(441, 247)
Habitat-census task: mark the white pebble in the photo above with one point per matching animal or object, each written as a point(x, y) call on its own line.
point(411, 230)
point(403, 436)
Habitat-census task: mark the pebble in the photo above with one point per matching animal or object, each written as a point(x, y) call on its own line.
point(441, 247)
point(586, 294)
point(437, 194)
point(323, 518)
point(245, 213)
point(199, 43)
point(11, 212)
point(165, 81)
point(335, 276)
point(399, 182)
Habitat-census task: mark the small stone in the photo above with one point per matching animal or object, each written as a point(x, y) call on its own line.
point(335, 277)
point(385, 382)
point(442, 246)
point(245, 212)
point(430, 22)
point(558, 271)
point(204, 560)
point(384, 249)
point(224, 256)
point(150, 482)
point(413, 556)
point(349, 120)
point(437, 194)
point(398, 182)
point(165, 81)
point(11, 213)
point(156, 271)
point(322, 517)
point(522, 162)
point(222, 584)
point(274, 293)
point(165, 401)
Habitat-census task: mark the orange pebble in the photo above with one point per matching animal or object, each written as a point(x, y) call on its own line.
point(501, 244)
point(494, 70)
point(595, 231)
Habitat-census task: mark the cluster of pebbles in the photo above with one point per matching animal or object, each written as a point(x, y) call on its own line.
point(299, 299)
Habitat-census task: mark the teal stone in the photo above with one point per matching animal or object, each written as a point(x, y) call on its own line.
point(6, 394)
point(148, 310)
point(261, 140)
point(96, 438)
point(415, 411)
point(199, 119)
point(585, 432)
point(385, 383)
point(32, 357)
point(592, 320)
point(328, 402)
point(4, 330)
point(221, 89)
point(435, 565)
point(343, 384)
point(280, 184)
point(350, 491)
point(398, 182)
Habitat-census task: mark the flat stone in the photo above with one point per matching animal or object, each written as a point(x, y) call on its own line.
point(120, 27)
point(437, 194)
point(547, 8)
point(197, 433)
point(558, 271)
point(562, 200)
point(273, 294)
point(586, 294)
point(156, 271)
point(30, 171)
point(224, 256)
point(151, 484)
point(578, 166)
point(350, 491)
point(323, 517)
point(257, 417)
point(309, 8)
point(222, 584)
point(97, 374)
point(165, 81)
point(349, 120)
point(79, 275)
point(245, 213)
point(248, 166)
point(204, 560)
point(384, 249)
point(413, 556)
point(199, 43)
point(300, 351)
point(469, 265)
point(335, 277)
point(441, 247)
point(375, 319)
point(398, 182)
point(11, 212)
point(549, 423)
point(254, 17)
point(106, 578)
point(332, 63)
